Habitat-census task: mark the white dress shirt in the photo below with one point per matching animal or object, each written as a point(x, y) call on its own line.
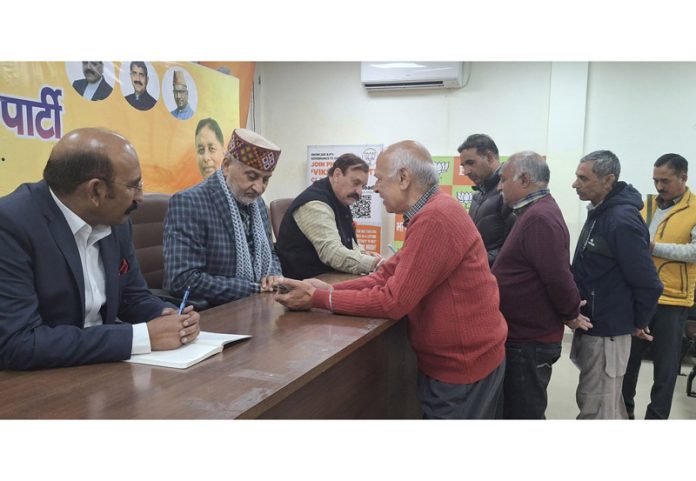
point(90, 89)
point(87, 239)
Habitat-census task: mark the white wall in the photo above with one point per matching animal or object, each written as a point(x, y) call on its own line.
point(315, 103)
point(563, 110)
point(641, 111)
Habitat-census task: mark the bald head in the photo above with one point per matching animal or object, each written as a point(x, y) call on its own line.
point(84, 154)
point(523, 174)
point(404, 172)
point(414, 157)
point(533, 165)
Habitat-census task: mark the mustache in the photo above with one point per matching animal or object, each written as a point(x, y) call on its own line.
point(133, 206)
point(354, 196)
point(137, 82)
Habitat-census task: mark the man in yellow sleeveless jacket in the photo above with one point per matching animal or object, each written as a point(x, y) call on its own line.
point(671, 219)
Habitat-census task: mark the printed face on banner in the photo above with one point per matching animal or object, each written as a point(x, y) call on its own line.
point(209, 151)
point(138, 78)
point(181, 93)
point(93, 71)
point(93, 80)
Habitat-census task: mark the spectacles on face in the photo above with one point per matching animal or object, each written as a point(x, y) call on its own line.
point(135, 187)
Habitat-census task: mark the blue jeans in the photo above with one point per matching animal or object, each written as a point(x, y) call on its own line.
point(527, 375)
point(667, 328)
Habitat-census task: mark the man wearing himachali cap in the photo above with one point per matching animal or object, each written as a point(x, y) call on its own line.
point(217, 234)
point(183, 110)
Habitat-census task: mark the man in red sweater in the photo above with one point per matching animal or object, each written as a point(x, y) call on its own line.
point(440, 279)
point(538, 294)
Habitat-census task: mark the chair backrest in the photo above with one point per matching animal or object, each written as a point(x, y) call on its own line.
point(277, 210)
point(148, 230)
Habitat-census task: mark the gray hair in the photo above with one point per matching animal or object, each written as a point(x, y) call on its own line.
point(416, 159)
point(532, 164)
point(605, 163)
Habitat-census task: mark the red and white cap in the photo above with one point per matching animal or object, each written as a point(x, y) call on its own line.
point(251, 149)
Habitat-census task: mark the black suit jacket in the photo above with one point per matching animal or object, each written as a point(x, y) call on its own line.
point(145, 102)
point(42, 294)
point(102, 92)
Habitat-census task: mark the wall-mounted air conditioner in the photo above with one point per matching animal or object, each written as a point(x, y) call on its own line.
point(411, 75)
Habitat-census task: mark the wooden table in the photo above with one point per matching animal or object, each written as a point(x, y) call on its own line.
point(297, 365)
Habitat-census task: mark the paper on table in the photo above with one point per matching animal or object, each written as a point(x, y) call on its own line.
point(206, 344)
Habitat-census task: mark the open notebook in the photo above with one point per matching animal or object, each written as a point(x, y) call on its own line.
point(206, 344)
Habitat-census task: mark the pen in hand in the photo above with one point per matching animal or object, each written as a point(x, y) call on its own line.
point(391, 248)
point(184, 299)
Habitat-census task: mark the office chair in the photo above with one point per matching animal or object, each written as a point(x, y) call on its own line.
point(148, 233)
point(277, 211)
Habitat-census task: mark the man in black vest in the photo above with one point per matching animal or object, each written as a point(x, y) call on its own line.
point(317, 234)
point(479, 160)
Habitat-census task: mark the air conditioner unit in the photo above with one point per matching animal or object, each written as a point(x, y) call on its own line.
point(411, 75)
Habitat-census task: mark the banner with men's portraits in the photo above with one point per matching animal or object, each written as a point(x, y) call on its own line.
point(157, 106)
point(367, 212)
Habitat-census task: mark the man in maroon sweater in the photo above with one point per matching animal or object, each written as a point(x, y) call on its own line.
point(440, 279)
point(538, 295)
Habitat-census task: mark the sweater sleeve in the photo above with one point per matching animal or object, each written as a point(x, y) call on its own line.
point(428, 256)
point(677, 252)
point(547, 250)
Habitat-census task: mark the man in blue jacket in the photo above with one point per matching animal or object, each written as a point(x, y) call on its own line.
point(71, 291)
point(615, 274)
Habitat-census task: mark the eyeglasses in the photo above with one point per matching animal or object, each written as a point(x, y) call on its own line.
point(137, 187)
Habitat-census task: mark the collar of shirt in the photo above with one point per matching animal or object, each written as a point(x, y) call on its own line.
point(78, 226)
point(530, 198)
point(408, 215)
point(93, 274)
point(667, 204)
point(591, 206)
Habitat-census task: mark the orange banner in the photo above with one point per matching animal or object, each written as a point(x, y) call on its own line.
point(41, 101)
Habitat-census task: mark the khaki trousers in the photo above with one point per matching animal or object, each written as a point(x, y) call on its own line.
point(602, 362)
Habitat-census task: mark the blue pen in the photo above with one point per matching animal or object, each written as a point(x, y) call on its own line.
point(391, 248)
point(183, 301)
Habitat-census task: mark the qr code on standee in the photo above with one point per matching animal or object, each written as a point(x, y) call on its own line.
point(362, 209)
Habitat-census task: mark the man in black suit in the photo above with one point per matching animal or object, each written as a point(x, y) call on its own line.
point(94, 85)
point(71, 289)
point(140, 99)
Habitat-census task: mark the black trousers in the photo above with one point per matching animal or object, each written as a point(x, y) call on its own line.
point(479, 400)
point(667, 328)
point(527, 375)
